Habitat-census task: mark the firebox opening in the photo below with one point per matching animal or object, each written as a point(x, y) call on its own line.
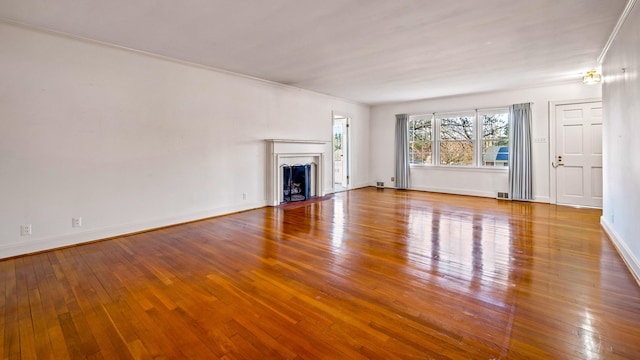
point(296, 182)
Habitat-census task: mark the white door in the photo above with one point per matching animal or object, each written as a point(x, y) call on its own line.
point(578, 158)
point(340, 152)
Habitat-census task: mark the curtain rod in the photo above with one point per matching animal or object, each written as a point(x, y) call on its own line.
point(459, 111)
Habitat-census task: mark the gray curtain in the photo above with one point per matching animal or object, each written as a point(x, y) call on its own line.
point(520, 168)
point(402, 151)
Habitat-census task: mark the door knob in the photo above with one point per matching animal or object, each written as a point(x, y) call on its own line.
point(559, 162)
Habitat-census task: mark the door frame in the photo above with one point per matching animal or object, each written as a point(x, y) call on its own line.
point(553, 191)
point(347, 152)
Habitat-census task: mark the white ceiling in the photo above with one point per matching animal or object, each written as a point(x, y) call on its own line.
point(371, 51)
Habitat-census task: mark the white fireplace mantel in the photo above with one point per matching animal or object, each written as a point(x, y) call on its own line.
point(282, 151)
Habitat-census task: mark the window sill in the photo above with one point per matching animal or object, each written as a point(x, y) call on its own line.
point(461, 168)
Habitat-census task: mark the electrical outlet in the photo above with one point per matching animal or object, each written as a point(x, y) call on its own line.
point(25, 230)
point(393, 178)
point(76, 222)
point(244, 196)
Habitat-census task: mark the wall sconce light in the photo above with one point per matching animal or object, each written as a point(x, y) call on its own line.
point(592, 77)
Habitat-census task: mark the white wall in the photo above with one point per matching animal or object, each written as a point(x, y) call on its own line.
point(130, 141)
point(621, 101)
point(479, 182)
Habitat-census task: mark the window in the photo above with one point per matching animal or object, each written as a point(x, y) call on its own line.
point(495, 137)
point(478, 138)
point(420, 133)
point(456, 138)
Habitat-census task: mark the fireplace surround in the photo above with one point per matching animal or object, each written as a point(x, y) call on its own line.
point(281, 152)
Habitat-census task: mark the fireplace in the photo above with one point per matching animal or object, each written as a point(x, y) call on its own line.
point(284, 153)
point(296, 181)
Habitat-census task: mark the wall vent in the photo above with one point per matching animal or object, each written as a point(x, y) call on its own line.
point(503, 195)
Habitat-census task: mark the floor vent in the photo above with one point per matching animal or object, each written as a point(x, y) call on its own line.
point(503, 195)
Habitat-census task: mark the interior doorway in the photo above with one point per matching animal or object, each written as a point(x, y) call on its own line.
point(340, 153)
point(576, 151)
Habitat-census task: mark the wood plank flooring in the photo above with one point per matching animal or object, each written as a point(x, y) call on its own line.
point(369, 273)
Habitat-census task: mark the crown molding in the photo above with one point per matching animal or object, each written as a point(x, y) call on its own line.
point(623, 17)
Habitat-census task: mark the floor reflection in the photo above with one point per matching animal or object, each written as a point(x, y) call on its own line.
point(338, 222)
point(479, 244)
point(501, 267)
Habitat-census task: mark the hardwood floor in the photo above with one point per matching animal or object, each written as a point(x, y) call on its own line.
point(364, 274)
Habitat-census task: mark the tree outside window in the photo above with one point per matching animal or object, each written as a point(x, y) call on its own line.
point(495, 137)
point(457, 139)
point(420, 133)
point(468, 138)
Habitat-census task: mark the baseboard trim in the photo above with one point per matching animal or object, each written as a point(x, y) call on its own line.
point(625, 253)
point(542, 199)
point(453, 191)
point(78, 238)
point(359, 186)
point(354, 187)
point(488, 194)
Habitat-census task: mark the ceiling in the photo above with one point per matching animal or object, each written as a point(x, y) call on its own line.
point(370, 51)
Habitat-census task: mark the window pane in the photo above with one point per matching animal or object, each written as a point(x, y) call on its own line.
point(456, 139)
point(420, 128)
point(495, 137)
